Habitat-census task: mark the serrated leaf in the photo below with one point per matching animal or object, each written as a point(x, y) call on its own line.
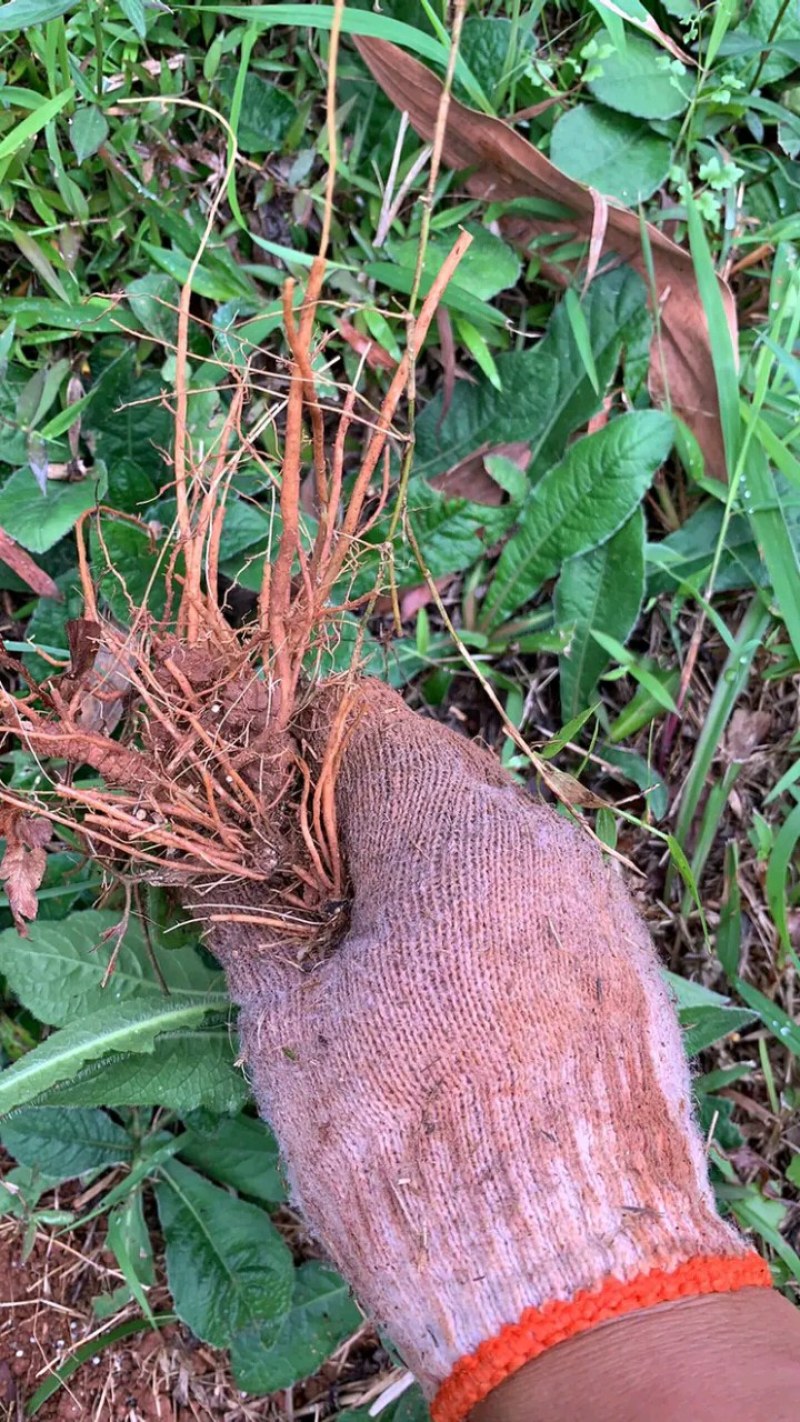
point(186, 1070)
point(241, 1152)
point(227, 1266)
point(546, 393)
point(88, 130)
point(57, 971)
point(611, 152)
point(602, 588)
point(38, 521)
point(322, 1314)
point(64, 1143)
point(123, 1027)
point(578, 505)
point(641, 80)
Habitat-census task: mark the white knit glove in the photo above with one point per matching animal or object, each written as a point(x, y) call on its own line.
point(481, 1096)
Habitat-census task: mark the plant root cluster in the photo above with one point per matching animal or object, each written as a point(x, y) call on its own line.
point(175, 749)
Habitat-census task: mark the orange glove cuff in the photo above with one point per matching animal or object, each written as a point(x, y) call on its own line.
point(478, 1373)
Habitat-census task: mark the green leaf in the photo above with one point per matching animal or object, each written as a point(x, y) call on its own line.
point(687, 554)
point(488, 267)
point(153, 299)
point(134, 11)
point(33, 122)
point(37, 520)
point(267, 113)
point(546, 393)
point(578, 505)
point(122, 1027)
point(241, 1152)
point(187, 1069)
point(600, 589)
point(772, 505)
point(357, 22)
point(57, 971)
point(129, 568)
point(782, 855)
point(62, 1143)
point(642, 80)
point(128, 1237)
point(128, 419)
point(706, 1025)
point(610, 152)
point(655, 684)
point(227, 1266)
point(87, 131)
point(19, 14)
point(323, 1313)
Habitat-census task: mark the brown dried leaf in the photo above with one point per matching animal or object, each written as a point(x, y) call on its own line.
point(505, 166)
point(470, 479)
point(747, 730)
point(24, 862)
point(25, 568)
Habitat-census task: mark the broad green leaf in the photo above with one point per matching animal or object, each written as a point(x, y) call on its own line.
point(57, 971)
point(122, 1027)
point(241, 1152)
point(267, 113)
point(578, 505)
point(97, 314)
point(63, 1143)
point(706, 1025)
point(488, 266)
point(453, 533)
point(689, 994)
point(227, 1266)
point(642, 80)
point(600, 589)
point(87, 131)
point(153, 299)
point(37, 520)
point(129, 568)
point(187, 1069)
point(686, 555)
point(611, 152)
point(135, 12)
point(322, 1314)
point(128, 418)
point(546, 393)
point(19, 14)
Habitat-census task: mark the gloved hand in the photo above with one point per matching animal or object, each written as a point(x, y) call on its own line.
point(481, 1096)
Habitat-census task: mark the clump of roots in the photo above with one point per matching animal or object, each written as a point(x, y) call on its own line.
point(195, 729)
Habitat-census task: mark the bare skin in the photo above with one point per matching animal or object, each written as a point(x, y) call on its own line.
point(722, 1358)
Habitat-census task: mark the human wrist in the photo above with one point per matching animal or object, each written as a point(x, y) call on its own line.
point(703, 1359)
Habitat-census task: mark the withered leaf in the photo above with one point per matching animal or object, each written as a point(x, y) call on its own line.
point(504, 166)
point(23, 864)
